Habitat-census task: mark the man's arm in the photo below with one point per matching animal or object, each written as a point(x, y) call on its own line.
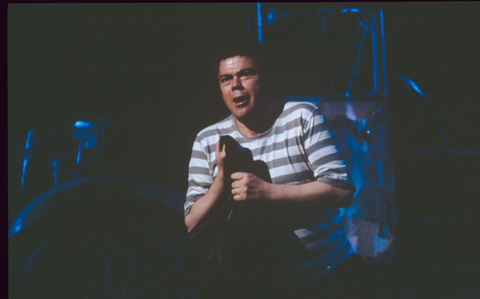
point(316, 194)
point(204, 204)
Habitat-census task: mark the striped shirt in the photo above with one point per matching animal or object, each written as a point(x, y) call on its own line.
point(298, 148)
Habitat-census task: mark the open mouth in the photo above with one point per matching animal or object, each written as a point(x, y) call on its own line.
point(241, 101)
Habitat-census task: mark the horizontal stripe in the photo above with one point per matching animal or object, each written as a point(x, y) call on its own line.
point(198, 170)
point(288, 126)
point(201, 184)
point(198, 179)
point(319, 145)
point(290, 160)
point(198, 154)
point(292, 178)
point(322, 153)
point(223, 127)
point(327, 159)
point(284, 145)
point(296, 106)
point(338, 174)
point(299, 148)
point(322, 128)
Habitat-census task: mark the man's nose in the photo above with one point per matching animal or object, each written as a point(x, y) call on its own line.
point(237, 83)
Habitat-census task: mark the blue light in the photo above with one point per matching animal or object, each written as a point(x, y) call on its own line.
point(374, 53)
point(325, 10)
point(82, 124)
point(383, 52)
point(79, 150)
point(445, 138)
point(34, 254)
point(354, 10)
point(29, 139)
point(55, 170)
point(347, 94)
point(259, 17)
point(24, 169)
point(16, 228)
point(363, 25)
point(412, 84)
point(28, 154)
point(270, 16)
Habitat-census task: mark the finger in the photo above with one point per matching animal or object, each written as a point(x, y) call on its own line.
point(237, 184)
point(237, 175)
point(238, 197)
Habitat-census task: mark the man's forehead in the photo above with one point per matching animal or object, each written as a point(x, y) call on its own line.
point(237, 62)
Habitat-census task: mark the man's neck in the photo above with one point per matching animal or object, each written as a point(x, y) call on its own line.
point(261, 123)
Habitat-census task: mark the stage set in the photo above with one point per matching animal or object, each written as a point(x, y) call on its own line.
point(105, 101)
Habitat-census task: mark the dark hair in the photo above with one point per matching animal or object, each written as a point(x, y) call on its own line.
point(242, 47)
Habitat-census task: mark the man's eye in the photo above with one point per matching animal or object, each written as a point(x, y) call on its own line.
point(248, 73)
point(224, 79)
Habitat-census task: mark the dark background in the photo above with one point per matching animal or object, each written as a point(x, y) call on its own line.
point(145, 67)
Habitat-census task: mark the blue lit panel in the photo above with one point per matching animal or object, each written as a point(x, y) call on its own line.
point(259, 18)
point(412, 84)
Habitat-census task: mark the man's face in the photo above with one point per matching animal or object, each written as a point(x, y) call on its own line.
point(241, 86)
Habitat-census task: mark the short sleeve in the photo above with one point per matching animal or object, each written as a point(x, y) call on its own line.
point(199, 177)
point(323, 153)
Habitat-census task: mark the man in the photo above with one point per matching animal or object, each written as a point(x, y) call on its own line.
point(309, 176)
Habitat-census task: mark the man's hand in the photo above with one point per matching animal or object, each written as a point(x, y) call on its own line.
point(317, 195)
point(247, 186)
